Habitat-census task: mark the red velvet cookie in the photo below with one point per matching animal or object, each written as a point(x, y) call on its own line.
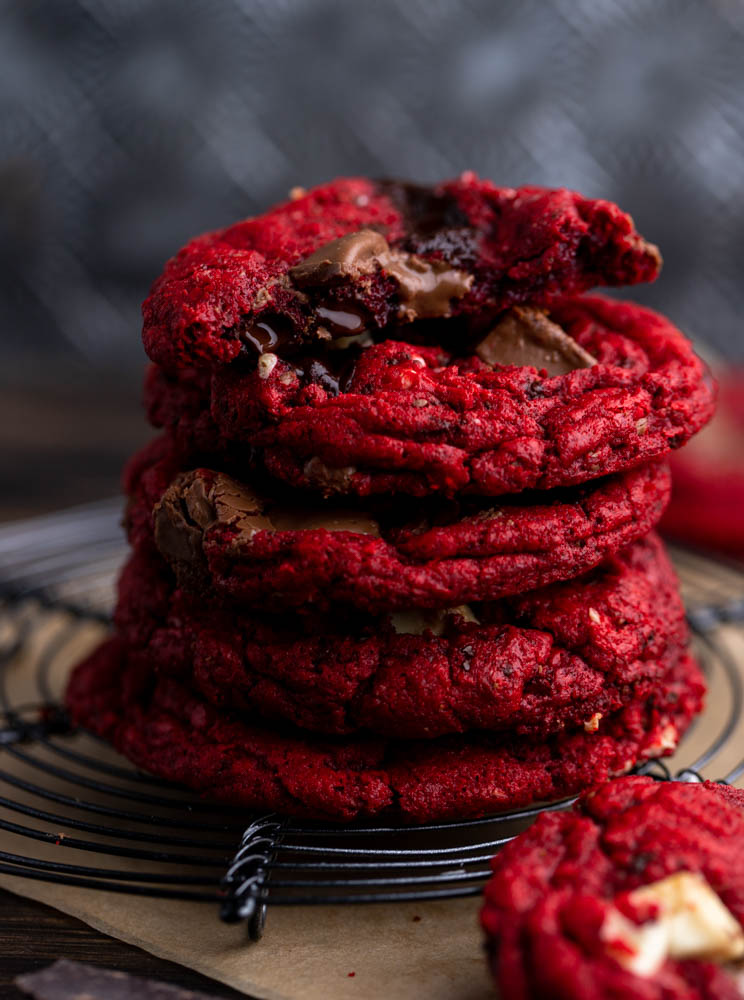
point(708, 478)
point(226, 538)
point(559, 658)
point(418, 419)
point(165, 729)
point(638, 892)
point(357, 254)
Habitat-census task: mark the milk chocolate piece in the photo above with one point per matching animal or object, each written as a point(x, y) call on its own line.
point(525, 336)
point(425, 287)
point(334, 519)
point(197, 500)
point(347, 257)
point(181, 516)
point(346, 322)
point(67, 980)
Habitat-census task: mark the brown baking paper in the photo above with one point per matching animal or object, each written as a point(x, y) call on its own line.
point(400, 952)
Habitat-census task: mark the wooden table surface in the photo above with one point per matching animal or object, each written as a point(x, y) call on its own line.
point(61, 445)
point(33, 936)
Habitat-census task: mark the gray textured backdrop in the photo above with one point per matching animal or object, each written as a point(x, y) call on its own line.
point(126, 127)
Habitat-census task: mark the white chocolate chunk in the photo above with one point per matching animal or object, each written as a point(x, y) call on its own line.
point(592, 724)
point(641, 950)
point(668, 740)
point(692, 922)
point(266, 365)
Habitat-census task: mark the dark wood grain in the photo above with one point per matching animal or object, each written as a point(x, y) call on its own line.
point(32, 936)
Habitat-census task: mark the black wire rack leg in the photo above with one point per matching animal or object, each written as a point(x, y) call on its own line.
point(243, 883)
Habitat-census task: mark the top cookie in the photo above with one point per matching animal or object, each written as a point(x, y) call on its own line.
point(358, 254)
point(639, 892)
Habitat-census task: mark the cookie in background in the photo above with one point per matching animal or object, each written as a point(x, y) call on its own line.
point(707, 505)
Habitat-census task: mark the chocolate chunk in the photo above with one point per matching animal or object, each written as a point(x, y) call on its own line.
point(197, 500)
point(239, 506)
point(332, 281)
point(347, 257)
point(75, 981)
point(416, 621)
point(331, 370)
point(181, 516)
point(525, 336)
point(326, 478)
point(334, 519)
point(344, 322)
point(269, 331)
point(426, 288)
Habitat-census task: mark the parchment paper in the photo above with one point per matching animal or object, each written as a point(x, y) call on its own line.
point(317, 953)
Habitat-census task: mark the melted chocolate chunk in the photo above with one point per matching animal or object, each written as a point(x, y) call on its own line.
point(269, 332)
point(526, 337)
point(317, 371)
point(426, 288)
point(332, 370)
point(430, 271)
point(341, 321)
point(197, 500)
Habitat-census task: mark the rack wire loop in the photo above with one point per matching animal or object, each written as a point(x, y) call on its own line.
point(243, 882)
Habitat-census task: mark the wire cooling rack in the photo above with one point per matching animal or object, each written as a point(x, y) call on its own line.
point(73, 812)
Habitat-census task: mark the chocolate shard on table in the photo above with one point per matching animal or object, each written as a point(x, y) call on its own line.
point(66, 980)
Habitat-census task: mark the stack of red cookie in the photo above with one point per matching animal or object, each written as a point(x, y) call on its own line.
point(392, 550)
